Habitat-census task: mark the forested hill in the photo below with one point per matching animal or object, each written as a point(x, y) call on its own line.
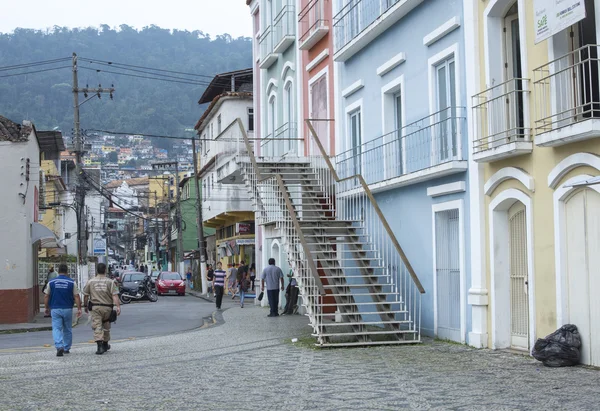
point(139, 105)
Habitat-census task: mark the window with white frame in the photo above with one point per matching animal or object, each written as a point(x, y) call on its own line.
point(288, 112)
point(445, 94)
point(393, 143)
point(355, 137)
point(219, 124)
point(250, 119)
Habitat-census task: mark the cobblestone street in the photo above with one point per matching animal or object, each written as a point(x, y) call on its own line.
point(247, 361)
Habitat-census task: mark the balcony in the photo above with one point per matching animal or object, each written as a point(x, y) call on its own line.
point(567, 96)
point(360, 21)
point(284, 140)
point(426, 149)
point(285, 29)
point(312, 24)
point(499, 117)
point(267, 52)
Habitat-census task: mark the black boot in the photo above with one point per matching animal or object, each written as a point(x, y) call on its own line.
point(106, 346)
point(100, 350)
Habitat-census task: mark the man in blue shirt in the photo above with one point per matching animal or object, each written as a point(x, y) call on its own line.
point(61, 294)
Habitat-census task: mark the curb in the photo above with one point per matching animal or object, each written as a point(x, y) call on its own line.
point(26, 330)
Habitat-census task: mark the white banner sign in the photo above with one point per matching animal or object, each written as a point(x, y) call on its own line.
point(553, 16)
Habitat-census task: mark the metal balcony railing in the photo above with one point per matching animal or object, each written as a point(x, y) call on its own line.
point(356, 16)
point(311, 19)
point(428, 142)
point(499, 115)
point(284, 25)
point(567, 90)
point(266, 43)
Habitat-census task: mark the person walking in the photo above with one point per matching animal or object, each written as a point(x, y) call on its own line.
point(244, 286)
point(253, 274)
point(272, 275)
point(209, 276)
point(219, 284)
point(60, 295)
point(232, 280)
point(188, 277)
point(101, 296)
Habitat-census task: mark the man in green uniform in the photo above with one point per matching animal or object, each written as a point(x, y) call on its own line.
point(103, 294)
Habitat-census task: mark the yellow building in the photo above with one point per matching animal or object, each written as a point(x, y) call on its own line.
point(535, 124)
point(52, 186)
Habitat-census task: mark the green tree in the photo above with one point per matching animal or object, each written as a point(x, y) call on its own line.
point(140, 105)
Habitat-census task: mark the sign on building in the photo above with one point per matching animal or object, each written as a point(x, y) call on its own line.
point(553, 16)
point(99, 246)
point(243, 228)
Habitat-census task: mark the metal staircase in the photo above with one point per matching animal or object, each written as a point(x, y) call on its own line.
point(355, 282)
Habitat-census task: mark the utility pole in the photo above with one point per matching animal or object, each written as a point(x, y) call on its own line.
point(78, 146)
point(156, 233)
point(200, 227)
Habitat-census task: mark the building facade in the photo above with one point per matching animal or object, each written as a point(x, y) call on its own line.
point(534, 121)
point(23, 236)
point(401, 124)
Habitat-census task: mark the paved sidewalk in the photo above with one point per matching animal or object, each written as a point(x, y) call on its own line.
point(39, 323)
point(205, 369)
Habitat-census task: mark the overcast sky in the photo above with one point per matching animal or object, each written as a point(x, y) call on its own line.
point(210, 16)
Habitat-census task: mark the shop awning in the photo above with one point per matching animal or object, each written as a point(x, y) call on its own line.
point(44, 235)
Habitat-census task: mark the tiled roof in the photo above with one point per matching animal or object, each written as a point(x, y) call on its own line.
point(11, 131)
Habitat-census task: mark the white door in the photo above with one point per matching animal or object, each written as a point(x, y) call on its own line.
point(318, 111)
point(519, 301)
point(583, 275)
point(447, 264)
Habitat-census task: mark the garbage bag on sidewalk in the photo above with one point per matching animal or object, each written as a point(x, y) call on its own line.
point(559, 349)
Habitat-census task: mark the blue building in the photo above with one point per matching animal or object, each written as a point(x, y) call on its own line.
point(401, 123)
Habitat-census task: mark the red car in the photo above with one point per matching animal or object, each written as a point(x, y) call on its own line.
point(170, 283)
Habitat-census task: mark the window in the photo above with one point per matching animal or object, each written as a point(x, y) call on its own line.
point(212, 131)
point(219, 125)
point(288, 113)
point(250, 119)
point(354, 123)
point(397, 144)
point(513, 70)
point(446, 144)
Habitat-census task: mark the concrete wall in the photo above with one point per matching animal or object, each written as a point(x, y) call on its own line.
point(18, 283)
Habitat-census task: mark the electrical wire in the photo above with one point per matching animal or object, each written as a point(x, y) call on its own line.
point(223, 82)
point(144, 77)
point(33, 72)
point(34, 64)
point(113, 63)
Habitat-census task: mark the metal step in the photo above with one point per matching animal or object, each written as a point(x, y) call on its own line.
point(364, 323)
point(359, 286)
point(367, 343)
point(354, 332)
point(363, 313)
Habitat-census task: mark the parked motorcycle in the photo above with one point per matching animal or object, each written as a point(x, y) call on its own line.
point(137, 291)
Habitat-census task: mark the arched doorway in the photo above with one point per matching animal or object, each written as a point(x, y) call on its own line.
point(511, 263)
point(582, 229)
point(519, 301)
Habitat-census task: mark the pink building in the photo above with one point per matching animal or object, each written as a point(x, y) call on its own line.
point(315, 41)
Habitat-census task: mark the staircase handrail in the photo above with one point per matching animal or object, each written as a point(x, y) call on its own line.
point(305, 248)
point(373, 202)
point(289, 206)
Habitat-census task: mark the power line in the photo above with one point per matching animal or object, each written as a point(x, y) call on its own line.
point(223, 82)
point(144, 77)
point(33, 72)
point(34, 64)
point(149, 68)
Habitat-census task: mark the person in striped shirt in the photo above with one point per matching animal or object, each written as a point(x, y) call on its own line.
point(219, 284)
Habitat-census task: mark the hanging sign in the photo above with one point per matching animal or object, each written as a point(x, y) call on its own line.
point(553, 16)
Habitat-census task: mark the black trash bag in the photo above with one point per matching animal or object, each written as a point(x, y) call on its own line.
point(559, 349)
